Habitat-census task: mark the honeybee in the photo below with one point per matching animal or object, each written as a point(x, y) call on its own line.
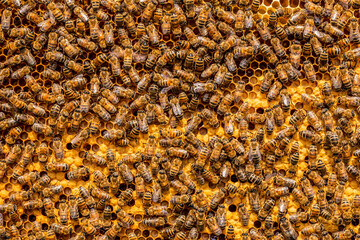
point(347, 233)
point(279, 49)
point(307, 188)
point(300, 197)
point(42, 128)
point(57, 167)
point(269, 54)
point(332, 30)
point(295, 53)
point(287, 229)
point(33, 204)
point(12, 135)
point(5, 73)
point(6, 19)
point(20, 73)
point(51, 74)
point(92, 157)
point(125, 197)
point(263, 30)
point(81, 13)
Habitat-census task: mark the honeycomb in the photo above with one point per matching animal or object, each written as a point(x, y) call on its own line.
point(103, 100)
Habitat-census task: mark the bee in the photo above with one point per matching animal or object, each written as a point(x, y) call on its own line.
point(28, 177)
point(295, 52)
point(267, 81)
point(226, 16)
point(308, 28)
point(101, 112)
point(179, 186)
point(307, 49)
point(68, 48)
point(213, 226)
point(33, 204)
point(341, 170)
point(72, 65)
point(95, 158)
point(37, 229)
point(144, 172)
point(49, 207)
point(12, 135)
point(283, 181)
point(58, 149)
point(19, 196)
point(125, 218)
point(6, 19)
point(163, 180)
point(300, 197)
point(274, 91)
point(269, 54)
point(57, 167)
point(81, 136)
point(125, 172)
point(125, 197)
point(279, 49)
point(98, 193)
point(114, 183)
point(73, 208)
point(263, 30)
point(70, 25)
point(52, 190)
point(287, 229)
point(87, 44)
point(177, 152)
point(55, 11)
point(347, 233)
point(64, 210)
point(152, 58)
point(65, 34)
point(354, 35)
point(307, 188)
point(343, 19)
point(98, 61)
point(316, 178)
point(210, 117)
point(5, 73)
point(154, 222)
point(332, 181)
point(203, 16)
point(28, 57)
point(34, 17)
point(81, 13)
point(20, 73)
point(175, 167)
point(332, 30)
point(139, 102)
point(51, 74)
point(42, 128)
point(143, 124)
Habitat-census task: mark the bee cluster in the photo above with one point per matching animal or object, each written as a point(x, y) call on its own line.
point(182, 112)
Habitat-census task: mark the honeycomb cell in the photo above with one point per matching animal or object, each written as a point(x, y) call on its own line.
point(8, 187)
point(205, 236)
point(32, 218)
point(154, 233)
point(203, 131)
point(309, 90)
point(299, 105)
point(252, 95)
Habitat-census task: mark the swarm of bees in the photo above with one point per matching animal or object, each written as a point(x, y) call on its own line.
point(164, 85)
